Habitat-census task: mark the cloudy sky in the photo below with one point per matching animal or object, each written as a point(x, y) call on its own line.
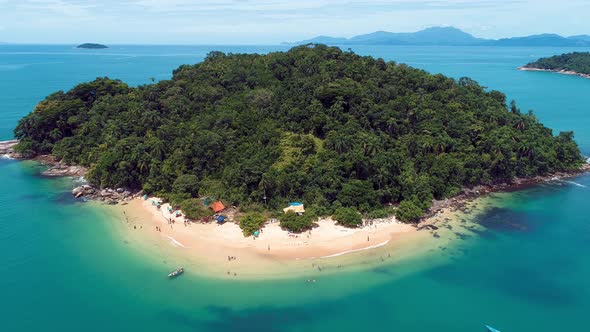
point(274, 21)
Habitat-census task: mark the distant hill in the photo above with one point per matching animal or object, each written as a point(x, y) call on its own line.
point(430, 36)
point(92, 46)
point(449, 36)
point(541, 40)
point(580, 37)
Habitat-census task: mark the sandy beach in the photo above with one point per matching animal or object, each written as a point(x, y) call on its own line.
point(275, 252)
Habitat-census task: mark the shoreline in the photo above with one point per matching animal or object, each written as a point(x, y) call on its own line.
point(557, 71)
point(203, 248)
point(326, 240)
point(468, 195)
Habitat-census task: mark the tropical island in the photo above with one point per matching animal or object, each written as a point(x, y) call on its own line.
point(92, 46)
point(347, 136)
point(577, 63)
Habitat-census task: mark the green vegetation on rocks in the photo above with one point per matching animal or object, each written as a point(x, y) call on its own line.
point(578, 62)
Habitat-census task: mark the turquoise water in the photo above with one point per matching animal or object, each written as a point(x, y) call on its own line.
point(521, 267)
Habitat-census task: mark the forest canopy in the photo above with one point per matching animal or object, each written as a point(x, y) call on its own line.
point(578, 62)
point(316, 124)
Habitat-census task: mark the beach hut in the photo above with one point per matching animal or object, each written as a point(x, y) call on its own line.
point(295, 207)
point(217, 206)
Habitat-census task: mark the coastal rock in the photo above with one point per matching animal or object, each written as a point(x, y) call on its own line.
point(78, 190)
point(6, 147)
point(59, 169)
point(106, 195)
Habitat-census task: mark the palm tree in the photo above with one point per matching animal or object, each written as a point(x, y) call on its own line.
point(520, 125)
point(340, 144)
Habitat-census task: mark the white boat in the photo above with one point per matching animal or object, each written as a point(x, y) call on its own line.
point(176, 272)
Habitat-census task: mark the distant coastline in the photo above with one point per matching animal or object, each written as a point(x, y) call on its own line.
point(557, 71)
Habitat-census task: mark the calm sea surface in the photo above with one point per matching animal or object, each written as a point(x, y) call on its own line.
point(521, 266)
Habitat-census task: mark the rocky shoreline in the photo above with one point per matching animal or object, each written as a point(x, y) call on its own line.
point(58, 168)
point(467, 195)
point(558, 71)
point(107, 195)
point(7, 148)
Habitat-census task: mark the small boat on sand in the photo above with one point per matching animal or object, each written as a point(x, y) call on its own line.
point(176, 272)
point(491, 329)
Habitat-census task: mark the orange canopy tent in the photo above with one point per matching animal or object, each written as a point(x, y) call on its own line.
point(217, 206)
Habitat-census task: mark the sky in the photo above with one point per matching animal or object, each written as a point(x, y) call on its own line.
point(275, 21)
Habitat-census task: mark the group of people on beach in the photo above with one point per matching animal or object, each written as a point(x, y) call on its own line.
point(231, 258)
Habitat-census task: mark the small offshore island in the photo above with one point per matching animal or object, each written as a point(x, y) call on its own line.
point(92, 46)
point(349, 148)
point(577, 63)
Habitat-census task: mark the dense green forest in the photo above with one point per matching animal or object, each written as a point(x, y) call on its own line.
point(577, 61)
point(340, 132)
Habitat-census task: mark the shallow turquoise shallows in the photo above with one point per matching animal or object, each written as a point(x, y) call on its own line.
point(522, 265)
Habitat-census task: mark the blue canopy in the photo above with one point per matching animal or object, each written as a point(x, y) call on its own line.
point(220, 218)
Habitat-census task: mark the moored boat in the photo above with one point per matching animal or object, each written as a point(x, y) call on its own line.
point(176, 272)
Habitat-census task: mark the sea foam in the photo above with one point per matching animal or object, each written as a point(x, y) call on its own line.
point(175, 242)
point(355, 250)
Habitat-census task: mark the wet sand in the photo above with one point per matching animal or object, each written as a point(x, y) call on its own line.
point(204, 248)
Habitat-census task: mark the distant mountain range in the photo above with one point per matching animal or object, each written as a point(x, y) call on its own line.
point(449, 36)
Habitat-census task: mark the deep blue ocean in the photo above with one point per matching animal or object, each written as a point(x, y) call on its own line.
point(521, 265)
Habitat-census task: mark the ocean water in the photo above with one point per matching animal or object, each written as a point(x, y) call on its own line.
point(520, 265)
